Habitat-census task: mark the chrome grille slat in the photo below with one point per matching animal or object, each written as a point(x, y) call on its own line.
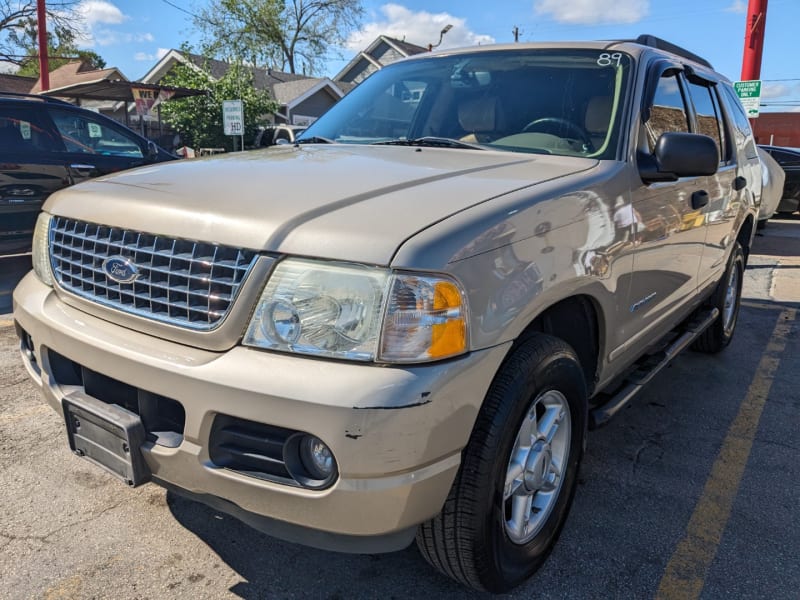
point(187, 283)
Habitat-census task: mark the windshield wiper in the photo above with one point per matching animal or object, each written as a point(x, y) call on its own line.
point(432, 142)
point(314, 140)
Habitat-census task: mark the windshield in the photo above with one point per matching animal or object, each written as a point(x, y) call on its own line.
point(565, 102)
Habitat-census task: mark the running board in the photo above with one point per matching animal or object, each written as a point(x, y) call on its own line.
point(648, 368)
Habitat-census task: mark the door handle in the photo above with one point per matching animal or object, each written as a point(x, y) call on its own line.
point(699, 199)
point(82, 167)
point(739, 183)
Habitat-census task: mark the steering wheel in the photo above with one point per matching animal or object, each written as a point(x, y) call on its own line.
point(553, 125)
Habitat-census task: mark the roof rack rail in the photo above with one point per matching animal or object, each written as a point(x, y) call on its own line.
point(656, 42)
point(35, 96)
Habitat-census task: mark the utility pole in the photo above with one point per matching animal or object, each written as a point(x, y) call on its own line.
point(41, 26)
point(516, 34)
point(754, 39)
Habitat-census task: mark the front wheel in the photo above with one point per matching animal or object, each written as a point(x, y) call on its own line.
point(727, 299)
point(518, 472)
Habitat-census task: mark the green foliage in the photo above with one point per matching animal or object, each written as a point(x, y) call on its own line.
point(198, 119)
point(295, 36)
point(19, 32)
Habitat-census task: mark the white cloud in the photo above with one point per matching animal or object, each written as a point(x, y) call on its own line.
point(592, 12)
point(109, 37)
point(421, 28)
point(100, 11)
point(775, 90)
point(99, 18)
point(738, 6)
point(144, 56)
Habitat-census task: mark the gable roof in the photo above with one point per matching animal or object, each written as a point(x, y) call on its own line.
point(286, 88)
point(402, 47)
point(78, 71)
point(17, 84)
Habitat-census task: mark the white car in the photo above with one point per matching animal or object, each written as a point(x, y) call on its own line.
point(772, 180)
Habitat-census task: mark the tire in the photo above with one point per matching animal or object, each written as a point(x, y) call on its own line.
point(727, 299)
point(476, 539)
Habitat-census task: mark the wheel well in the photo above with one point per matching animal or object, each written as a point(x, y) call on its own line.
point(575, 321)
point(745, 236)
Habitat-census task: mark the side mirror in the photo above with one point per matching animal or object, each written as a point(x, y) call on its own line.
point(680, 155)
point(152, 151)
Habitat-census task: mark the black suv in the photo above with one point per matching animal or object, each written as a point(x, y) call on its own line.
point(47, 144)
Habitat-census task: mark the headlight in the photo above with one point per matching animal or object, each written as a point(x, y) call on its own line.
point(40, 253)
point(358, 312)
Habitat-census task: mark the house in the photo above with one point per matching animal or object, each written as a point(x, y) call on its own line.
point(302, 99)
point(379, 53)
point(16, 84)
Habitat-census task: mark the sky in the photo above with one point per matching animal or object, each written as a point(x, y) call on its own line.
point(133, 34)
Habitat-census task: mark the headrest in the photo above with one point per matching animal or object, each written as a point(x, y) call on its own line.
point(598, 114)
point(480, 114)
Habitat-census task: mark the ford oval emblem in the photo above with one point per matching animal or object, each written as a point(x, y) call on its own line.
point(120, 269)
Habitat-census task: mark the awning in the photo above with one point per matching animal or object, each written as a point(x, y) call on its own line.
point(103, 89)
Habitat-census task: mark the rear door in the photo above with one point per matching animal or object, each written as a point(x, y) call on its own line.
point(94, 146)
point(31, 169)
point(725, 191)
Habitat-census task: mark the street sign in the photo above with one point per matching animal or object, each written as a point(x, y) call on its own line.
point(749, 93)
point(233, 117)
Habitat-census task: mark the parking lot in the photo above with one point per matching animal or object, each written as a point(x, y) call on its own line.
point(690, 492)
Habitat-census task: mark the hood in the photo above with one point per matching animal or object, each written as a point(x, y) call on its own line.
point(352, 203)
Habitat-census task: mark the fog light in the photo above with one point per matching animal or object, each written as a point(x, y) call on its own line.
point(317, 458)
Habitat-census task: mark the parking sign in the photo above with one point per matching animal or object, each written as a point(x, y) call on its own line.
point(749, 93)
point(233, 117)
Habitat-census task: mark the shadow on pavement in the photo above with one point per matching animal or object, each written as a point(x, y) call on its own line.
point(273, 568)
point(12, 269)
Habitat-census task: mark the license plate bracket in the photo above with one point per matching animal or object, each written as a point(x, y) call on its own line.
point(107, 435)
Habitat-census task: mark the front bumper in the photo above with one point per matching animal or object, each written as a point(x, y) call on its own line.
point(396, 432)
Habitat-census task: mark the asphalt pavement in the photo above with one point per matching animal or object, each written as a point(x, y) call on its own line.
point(691, 492)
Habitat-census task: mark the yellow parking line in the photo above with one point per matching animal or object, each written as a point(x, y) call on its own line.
point(686, 571)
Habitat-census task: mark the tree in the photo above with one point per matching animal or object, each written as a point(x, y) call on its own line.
point(286, 34)
point(61, 49)
point(18, 27)
point(198, 119)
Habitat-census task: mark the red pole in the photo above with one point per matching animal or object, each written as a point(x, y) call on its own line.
point(41, 25)
point(754, 39)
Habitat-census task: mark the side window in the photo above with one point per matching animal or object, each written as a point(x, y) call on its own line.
point(85, 135)
point(25, 131)
point(741, 126)
point(785, 158)
point(668, 112)
point(709, 119)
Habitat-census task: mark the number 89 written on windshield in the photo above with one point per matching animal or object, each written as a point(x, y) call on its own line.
point(606, 59)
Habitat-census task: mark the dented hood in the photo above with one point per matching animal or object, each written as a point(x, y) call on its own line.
point(355, 203)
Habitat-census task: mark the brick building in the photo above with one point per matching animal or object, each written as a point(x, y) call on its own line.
point(777, 129)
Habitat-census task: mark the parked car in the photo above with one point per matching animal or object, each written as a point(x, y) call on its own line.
point(277, 134)
point(403, 325)
point(772, 184)
point(789, 160)
point(47, 144)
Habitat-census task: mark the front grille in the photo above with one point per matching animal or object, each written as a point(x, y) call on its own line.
point(181, 282)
